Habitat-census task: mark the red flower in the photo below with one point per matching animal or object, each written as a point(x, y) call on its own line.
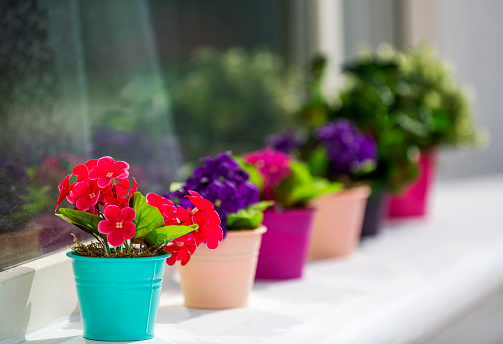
point(204, 215)
point(164, 205)
point(200, 202)
point(64, 190)
point(118, 224)
point(107, 169)
point(181, 251)
point(82, 171)
point(85, 195)
point(122, 193)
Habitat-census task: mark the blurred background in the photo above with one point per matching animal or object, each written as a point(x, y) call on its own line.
point(161, 83)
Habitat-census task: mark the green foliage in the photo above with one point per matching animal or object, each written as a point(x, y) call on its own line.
point(163, 235)
point(248, 218)
point(83, 220)
point(147, 217)
point(301, 187)
point(419, 93)
point(231, 99)
point(298, 189)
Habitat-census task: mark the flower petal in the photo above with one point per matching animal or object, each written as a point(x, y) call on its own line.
point(80, 170)
point(115, 238)
point(200, 202)
point(106, 227)
point(84, 203)
point(106, 162)
point(104, 182)
point(183, 256)
point(128, 230)
point(121, 165)
point(80, 189)
point(212, 243)
point(128, 214)
point(112, 213)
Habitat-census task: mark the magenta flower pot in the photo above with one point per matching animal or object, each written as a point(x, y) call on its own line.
point(285, 245)
point(414, 202)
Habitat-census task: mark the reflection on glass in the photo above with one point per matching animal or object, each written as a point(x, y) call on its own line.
point(85, 79)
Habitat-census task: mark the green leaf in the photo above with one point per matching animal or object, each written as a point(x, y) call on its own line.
point(261, 206)
point(83, 220)
point(147, 217)
point(300, 188)
point(318, 162)
point(160, 236)
point(248, 218)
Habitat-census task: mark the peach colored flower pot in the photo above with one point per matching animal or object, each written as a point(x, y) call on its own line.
point(338, 223)
point(222, 278)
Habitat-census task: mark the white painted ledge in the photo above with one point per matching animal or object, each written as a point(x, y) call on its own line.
point(400, 287)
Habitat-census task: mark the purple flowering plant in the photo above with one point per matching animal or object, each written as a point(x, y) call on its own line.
point(222, 181)
point(343, 150)
point(287, 142)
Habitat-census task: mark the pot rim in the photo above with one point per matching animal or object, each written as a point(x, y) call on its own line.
point(309, 209)
point(162, 255)
point(247, 232)
point(354, 192)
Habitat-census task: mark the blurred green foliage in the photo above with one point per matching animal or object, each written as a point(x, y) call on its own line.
point(420, 93)
point(408, 101)
point(231, 99)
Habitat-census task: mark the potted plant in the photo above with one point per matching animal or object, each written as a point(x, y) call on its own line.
point(119, 276)
point(289, 184)
point(370, 107)
point(426, 103)
point(224, 277)
point(341, 153)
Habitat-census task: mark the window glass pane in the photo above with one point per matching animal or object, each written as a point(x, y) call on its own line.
point(156, 83)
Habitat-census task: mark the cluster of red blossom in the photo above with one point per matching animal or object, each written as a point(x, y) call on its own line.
point(102, 188)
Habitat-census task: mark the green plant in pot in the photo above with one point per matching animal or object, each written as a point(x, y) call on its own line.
point(223, 278)
point(134, 237)
point(291, 186)
point(426, 102)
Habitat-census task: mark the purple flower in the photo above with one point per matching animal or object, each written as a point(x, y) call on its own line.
point(223, 182)
point(285, 142)
point(347, 147)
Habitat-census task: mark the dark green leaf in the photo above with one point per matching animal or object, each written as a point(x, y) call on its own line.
point(83, 220)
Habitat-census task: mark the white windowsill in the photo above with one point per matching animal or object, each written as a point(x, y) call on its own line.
point(402, 286)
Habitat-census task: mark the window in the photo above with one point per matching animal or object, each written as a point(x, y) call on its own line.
point(156, 83)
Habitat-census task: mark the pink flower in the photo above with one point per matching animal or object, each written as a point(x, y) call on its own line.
point(82, 170)
point(107, 169)
point(64, 190)
point(118, 224)
point(274, 166)
point(85, 195)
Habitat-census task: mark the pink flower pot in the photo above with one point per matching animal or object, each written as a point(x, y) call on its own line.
point(338, 223)
point(284, 249)
point(414, 202)
point(222, 278)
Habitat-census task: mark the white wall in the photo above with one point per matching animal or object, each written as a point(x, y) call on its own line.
point(470, 34)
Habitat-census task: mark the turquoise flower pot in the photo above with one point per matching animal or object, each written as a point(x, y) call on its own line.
point(118, 297)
